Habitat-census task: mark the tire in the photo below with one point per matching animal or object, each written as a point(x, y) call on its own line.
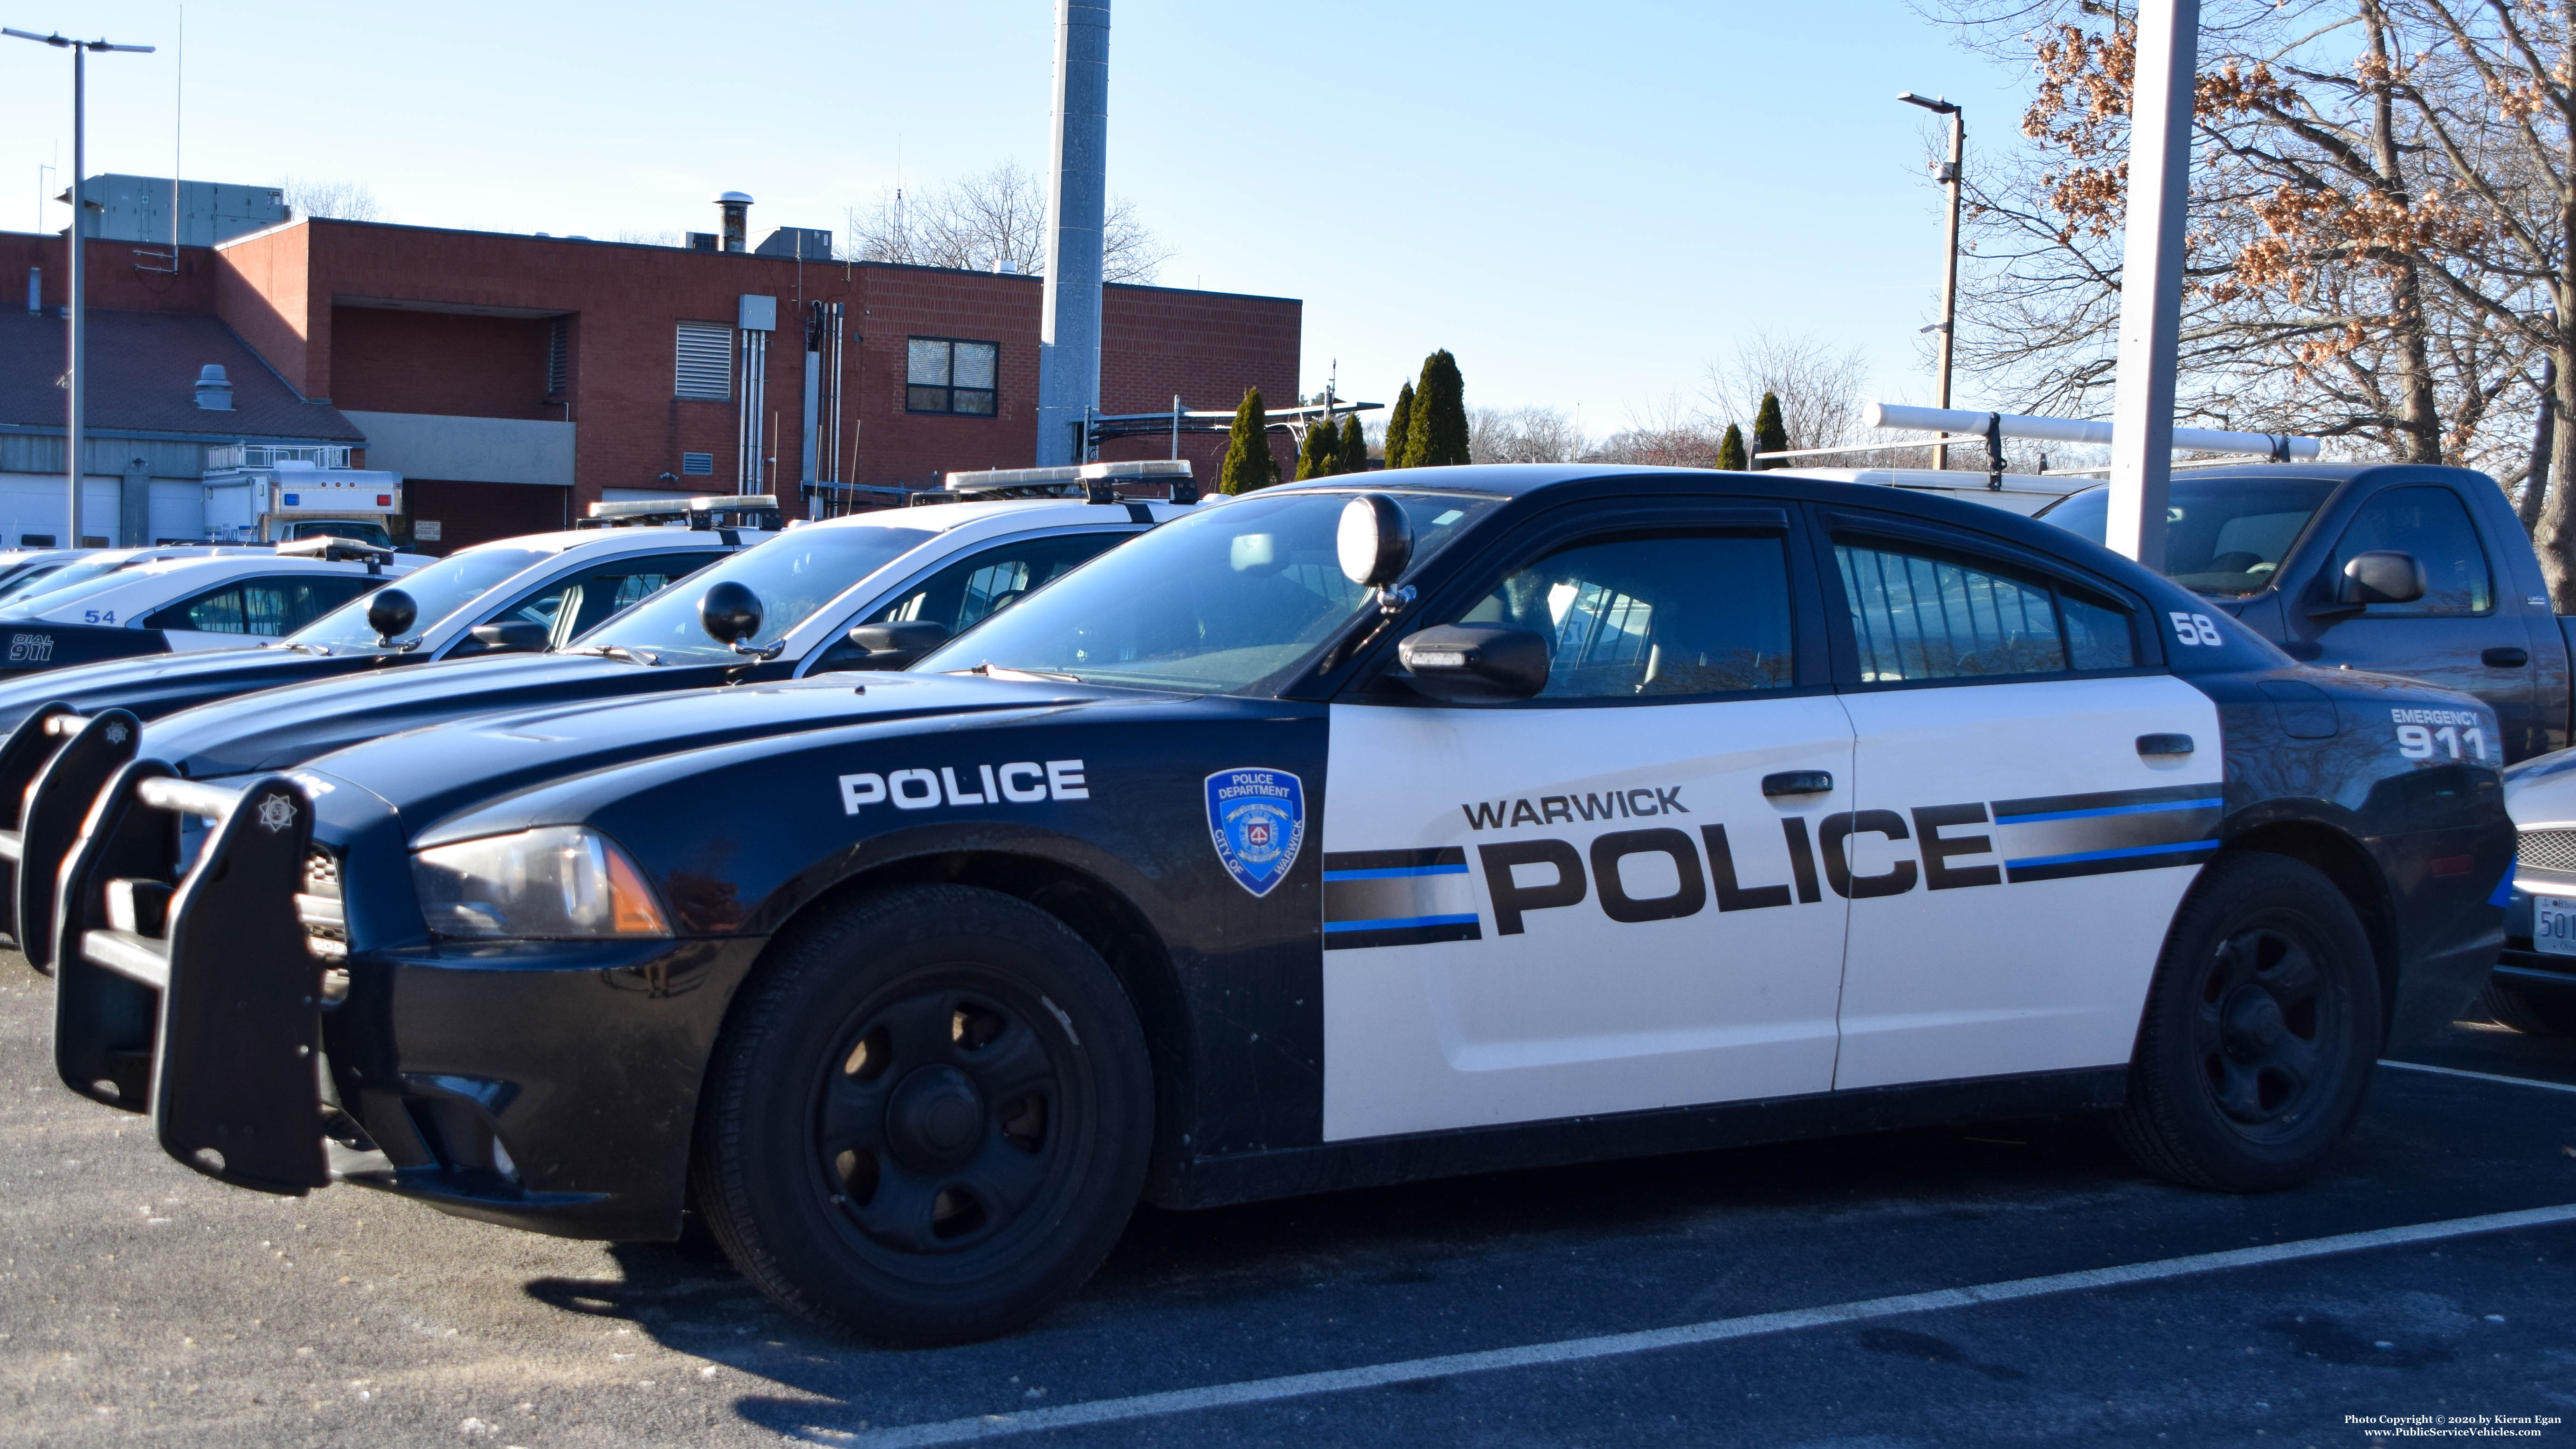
point(2530, 1015)
point(928, 1119)
point(2260, 1032)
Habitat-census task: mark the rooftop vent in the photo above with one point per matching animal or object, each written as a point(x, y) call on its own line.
point(736, 207)
point(214, 390)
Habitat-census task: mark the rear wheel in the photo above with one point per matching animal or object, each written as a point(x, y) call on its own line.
point(2530, 1015)
point(2259, 1034)
point(929, 1119)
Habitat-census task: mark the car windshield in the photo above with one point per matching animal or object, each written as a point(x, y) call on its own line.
point(2224, 537)
point(1221, 601)
point(440, 589)
point(20, 596)
point(793, 574)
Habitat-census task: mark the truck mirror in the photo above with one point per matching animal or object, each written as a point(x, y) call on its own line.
point(515, 636)
point(391, 613)
point(1374, 540)
point(1475, 663)
point(896, 646)
point(729, 612)
point(2380, 577)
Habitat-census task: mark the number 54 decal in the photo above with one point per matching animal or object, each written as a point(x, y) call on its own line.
point(2193, 629)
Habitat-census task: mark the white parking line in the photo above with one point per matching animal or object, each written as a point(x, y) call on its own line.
point(2478, 1076)
point(1574, 1350)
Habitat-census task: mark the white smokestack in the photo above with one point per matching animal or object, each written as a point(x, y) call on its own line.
point(1069, 331)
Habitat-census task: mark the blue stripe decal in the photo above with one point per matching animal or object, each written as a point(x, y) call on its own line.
point(1400, 923)
point(2134, 850)
point(1395, 872)
point(2105, 810)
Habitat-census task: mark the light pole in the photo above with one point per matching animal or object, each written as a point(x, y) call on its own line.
point(1951, 177)
point(78, 374)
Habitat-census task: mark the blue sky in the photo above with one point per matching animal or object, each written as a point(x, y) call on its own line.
point(1586, 204)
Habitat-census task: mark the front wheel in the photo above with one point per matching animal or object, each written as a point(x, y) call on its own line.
point(2260, 1032)
point(929, 1118)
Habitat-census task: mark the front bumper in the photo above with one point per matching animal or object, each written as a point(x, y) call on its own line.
point(549, 1086)
point(2523, 966)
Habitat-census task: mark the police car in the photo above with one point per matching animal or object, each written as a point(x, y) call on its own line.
point(120, 603)
point(70, 728)
point(2534, 986)
point(1351, 832)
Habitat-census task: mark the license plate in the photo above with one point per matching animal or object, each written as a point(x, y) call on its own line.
point(2553, 925)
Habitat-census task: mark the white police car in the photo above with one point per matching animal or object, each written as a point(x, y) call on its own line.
point(1427, 823)
point(123, 602)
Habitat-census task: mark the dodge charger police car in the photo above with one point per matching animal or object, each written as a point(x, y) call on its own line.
point(71, 728)
point(152, 601)
point(1343, 834)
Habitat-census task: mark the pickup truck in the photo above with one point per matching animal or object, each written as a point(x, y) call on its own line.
point(2393, 568)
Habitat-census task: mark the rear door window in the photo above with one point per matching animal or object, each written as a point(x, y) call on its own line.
point(1919, 612)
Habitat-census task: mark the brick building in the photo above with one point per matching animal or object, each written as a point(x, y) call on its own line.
point(513, 380)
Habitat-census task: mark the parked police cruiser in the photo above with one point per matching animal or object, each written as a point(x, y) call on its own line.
point(1481, 818)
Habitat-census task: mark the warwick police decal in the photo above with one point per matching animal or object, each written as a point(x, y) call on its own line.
point(1258, 819)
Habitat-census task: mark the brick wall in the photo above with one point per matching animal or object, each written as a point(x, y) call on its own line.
point(116, 275)
point(434, 362)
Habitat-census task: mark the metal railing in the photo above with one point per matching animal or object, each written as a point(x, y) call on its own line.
point(269, 455)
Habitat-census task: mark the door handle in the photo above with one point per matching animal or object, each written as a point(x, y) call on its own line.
point(2505, 657)
point(1798, 782)
point(2164, 745)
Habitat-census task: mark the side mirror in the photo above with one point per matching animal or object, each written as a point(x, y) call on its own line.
point(391, 613)
point(729, 612)
point(896, 646)
point(1374, 541)
point(2380, 577)
point(1475, 663)
point(516, 636)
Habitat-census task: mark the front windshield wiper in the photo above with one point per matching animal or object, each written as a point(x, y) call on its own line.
point(1000, 671)
point(616, 651)
point(299, 648)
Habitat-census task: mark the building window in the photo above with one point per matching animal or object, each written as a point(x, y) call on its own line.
point(943, 375)
point(696, 463)
point(706, 361)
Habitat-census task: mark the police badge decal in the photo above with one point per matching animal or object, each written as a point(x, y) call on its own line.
point(1258, 819)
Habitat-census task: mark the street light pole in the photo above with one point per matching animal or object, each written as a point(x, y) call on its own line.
point(1952, 177)
point(78, 375)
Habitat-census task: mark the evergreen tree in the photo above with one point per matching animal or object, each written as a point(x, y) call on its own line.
point(1730, 449)
point(1768, 435)
point(1248, 464)
point(1320, 455)
point(1438, 436)
point(1399, 427)
point(1353, 456)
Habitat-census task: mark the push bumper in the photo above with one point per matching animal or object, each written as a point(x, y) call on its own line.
point(51, 771)
point(549, 1086)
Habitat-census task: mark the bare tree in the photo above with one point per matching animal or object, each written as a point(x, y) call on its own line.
point(1820, 391)
point(338, 200)
point(1522, 435)
point(1664, 432)
point(993, 221)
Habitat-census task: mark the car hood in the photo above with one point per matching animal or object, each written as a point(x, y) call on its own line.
point(428, 774)
point(153, 685)
point(277, 729)
point(2541, 791)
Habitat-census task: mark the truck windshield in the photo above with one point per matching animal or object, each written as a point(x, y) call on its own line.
point(794, 574)
point(2224, 537)
point(440, 589)
point(1222, 601)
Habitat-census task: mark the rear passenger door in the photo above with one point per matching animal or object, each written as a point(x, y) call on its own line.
point(1603, 899)
point(2021, 843)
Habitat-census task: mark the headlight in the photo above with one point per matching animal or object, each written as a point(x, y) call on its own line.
point(563, 882)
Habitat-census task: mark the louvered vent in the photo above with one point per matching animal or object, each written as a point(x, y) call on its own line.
point(558, 357)
point(695, 463)
point(706, 361)
point(2547, 849)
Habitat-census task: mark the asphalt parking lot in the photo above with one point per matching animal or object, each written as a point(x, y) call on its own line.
point(1735, 1297)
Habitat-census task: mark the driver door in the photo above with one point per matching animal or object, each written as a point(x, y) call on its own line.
point(1602, 899)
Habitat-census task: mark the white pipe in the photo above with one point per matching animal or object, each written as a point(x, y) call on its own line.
point(2071, 430)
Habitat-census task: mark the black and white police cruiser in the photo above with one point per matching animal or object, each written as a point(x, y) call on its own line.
point(121, 603)
point(1354, 831)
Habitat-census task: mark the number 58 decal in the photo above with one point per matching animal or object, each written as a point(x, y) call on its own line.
point(2193, 629)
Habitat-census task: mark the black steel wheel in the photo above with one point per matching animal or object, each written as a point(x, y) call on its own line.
point(2260, 1030)
point(929, 1117)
